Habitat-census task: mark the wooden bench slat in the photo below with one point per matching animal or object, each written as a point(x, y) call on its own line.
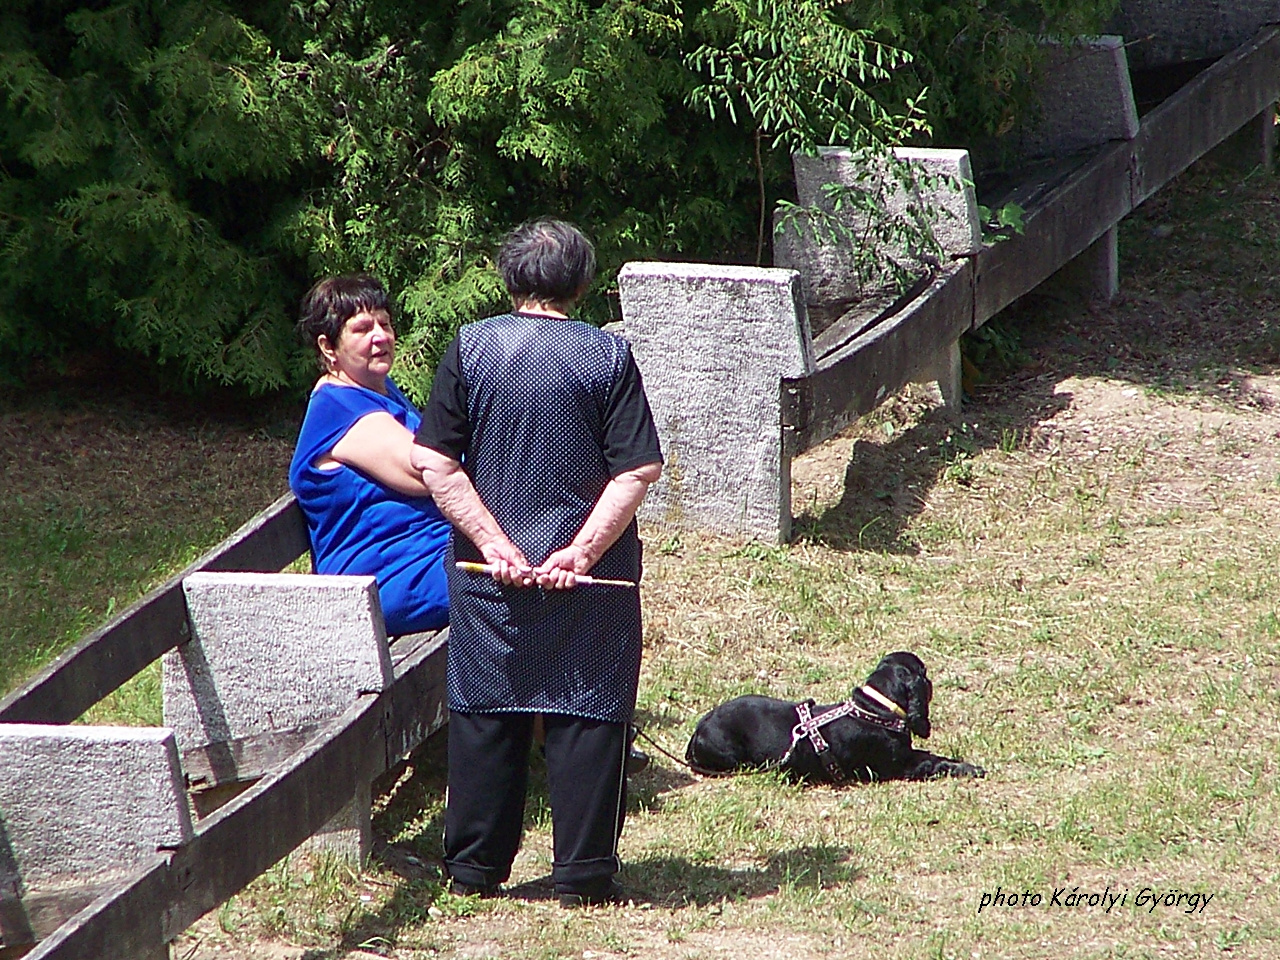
point(1205, 111)
point(244, 838)
point(854, 380)
point(253, 757)
point(34, 917)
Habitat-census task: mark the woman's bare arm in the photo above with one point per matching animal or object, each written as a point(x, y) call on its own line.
point(459, 502)
point(608, 518)
point(378, 445)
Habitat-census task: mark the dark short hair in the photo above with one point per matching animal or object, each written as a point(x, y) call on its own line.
point(331, 303)
point(546, 259)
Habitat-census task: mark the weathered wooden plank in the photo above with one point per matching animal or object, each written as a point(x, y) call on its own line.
point(854, 322)
point(243, 839)
point(410, 645)
point(1075, 214)
point(267, 543)
point(124, 922)
point(245, 758)
point(417, 704)
point(109, 656)
point(1208, 109)
point(855, 379)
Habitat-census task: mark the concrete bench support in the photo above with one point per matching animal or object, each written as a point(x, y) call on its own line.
point(271, 657)
point(1086, 99)
point(713, 343)
point(943, 185)
point(947, 372)
point(81, 807)
point(1095, 273)
point(1252, 146)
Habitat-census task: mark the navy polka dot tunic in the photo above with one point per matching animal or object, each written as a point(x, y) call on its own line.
point(542, 413)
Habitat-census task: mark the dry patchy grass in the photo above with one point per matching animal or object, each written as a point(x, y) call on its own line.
point(1088, 566)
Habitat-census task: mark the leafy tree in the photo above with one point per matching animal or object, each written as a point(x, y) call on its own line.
point(140, 144)
point(174, 173)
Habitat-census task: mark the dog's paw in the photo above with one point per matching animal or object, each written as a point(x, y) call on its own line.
point(958, 768)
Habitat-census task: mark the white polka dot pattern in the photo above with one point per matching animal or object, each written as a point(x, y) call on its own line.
point(538, 392)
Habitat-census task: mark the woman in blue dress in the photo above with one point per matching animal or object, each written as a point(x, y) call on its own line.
point(368, 511)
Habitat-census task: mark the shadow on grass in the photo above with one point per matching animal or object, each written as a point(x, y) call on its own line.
point(676, 882)
point(1196, 316)
point(886, 485)
point(668, 882)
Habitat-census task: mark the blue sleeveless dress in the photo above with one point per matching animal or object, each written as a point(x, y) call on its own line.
point(358, 526)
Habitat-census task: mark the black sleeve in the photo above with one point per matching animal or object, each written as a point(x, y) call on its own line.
point(445, 427)
point(630, 437)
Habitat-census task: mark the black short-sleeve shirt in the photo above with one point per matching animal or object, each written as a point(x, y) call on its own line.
point(542, 413)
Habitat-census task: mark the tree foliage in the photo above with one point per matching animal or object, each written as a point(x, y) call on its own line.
point(174, 174)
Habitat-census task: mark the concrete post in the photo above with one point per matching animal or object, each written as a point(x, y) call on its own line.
point(1086, 99)
point(943, 186)
point(81, 806)
point(946, 371)
point(1103, 260)
point(713, 343)
point(272, 653)
point(1095, 273)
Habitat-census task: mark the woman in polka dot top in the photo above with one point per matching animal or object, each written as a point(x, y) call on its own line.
point(538, 445)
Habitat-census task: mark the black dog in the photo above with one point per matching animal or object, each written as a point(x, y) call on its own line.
point(868, 738)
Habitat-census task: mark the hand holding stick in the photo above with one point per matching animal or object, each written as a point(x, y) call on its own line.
point(472, 567)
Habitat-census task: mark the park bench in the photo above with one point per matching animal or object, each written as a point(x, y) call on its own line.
point(283, 701)
point(746, 367)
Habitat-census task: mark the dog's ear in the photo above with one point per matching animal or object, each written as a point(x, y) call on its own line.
point(917, 706)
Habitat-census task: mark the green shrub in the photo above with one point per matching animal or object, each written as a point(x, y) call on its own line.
point(173, 175)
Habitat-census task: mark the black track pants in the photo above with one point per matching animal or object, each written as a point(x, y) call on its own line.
point(488, 780)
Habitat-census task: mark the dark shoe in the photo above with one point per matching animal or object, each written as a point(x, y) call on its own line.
point(608, 893)
point(637, 760)
point(459, 889)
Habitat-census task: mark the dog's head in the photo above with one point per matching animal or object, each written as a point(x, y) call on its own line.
point(902, 678)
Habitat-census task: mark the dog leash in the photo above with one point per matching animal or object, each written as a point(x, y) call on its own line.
point(641, 735)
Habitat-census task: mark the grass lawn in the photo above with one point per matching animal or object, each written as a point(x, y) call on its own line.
point(108, 494)
point(1088, 565)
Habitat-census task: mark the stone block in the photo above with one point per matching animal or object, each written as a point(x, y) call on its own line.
point(943, 185)
point(275, 652)
point(272, 651)
point(82, 805)
point(1085, 99)
point(1094, 275)
point(1166, 32)
point(713, 343)
point(349, 833)
point(1251, 147)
